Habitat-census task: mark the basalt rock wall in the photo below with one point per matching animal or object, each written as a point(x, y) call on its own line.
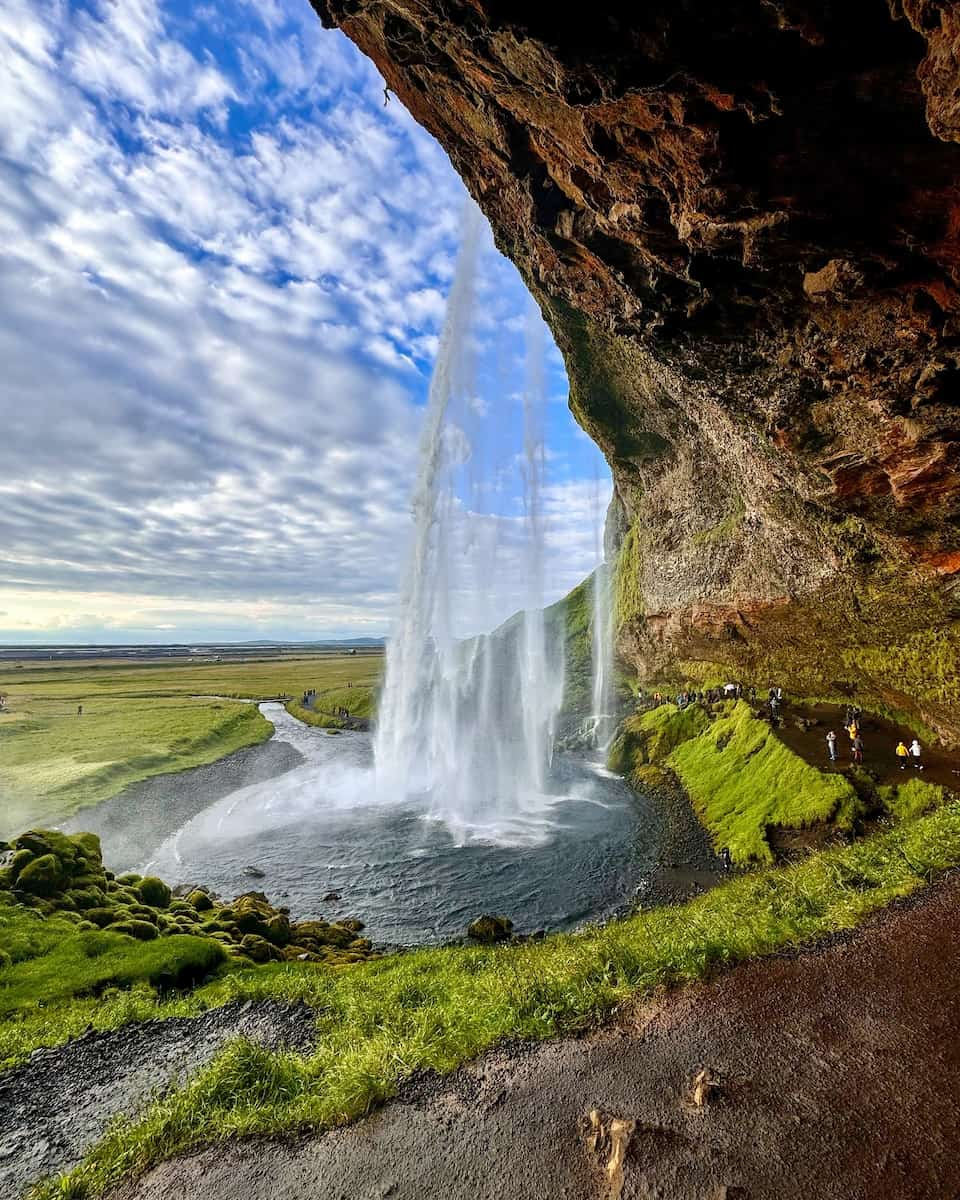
point(742, 221)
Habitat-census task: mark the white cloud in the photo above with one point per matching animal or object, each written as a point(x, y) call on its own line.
point(216, 339)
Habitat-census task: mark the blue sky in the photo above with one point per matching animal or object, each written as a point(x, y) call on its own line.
point(223, 263)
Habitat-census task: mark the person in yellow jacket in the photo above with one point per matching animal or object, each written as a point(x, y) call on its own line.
point(902, 755)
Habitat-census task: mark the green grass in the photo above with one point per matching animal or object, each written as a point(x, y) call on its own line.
point(651, 736)
point(358, 701)
point(435, 1008)
point(911, 799)
point(741, 778)
point(137, 721)
point(49, 960)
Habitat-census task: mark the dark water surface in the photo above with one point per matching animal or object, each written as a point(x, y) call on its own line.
point(322, 827)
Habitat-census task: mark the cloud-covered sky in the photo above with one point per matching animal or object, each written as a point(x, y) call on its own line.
point(223, 269)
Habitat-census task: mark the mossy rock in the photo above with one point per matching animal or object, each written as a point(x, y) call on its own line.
point(5, 959)
point(360, 945)
point(42, 876)
point(102, 917)
point(88, 880)
point(89, 845)
point(200, 900)
point(142, 930)
point(85, 898)
point(154, 892)
point(86, 926)
point(130, 878)
point(278, 930)
point(141, 912)
point(20, 860)
point(489, 929)
point(259, 949)
point(41, 842)
point(352, 924)
point(300, 954)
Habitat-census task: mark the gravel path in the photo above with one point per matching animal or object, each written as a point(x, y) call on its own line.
point(840, 1071)
point(54, 1107)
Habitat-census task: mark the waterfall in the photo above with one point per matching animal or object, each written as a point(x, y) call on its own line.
point(603, 697)
point(466, 724)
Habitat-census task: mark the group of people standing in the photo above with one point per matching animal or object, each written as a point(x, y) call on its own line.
point(912, 754)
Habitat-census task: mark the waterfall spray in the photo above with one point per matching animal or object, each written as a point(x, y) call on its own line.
point(466, 725)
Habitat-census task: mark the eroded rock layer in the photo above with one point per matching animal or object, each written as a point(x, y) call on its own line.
point(742, 221)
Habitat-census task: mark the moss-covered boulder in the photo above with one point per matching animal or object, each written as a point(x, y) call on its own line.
point(85, 898)
point(259, 949)
point(199, 900)
point(489, 929)
point(154, 892)
point(101, 917)
point(20, 860)
point(141, 930)
point(42, 876)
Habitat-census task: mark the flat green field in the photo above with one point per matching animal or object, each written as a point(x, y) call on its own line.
point(138, 720)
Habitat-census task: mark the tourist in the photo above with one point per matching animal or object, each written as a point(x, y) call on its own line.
point(79, 710)
point(753, 694)
point(915, 754)
point(832, 745)
point(725, 859)
point(857, 749)
point(902, 755)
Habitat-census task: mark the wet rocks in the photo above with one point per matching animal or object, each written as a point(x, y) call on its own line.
point(489, 929)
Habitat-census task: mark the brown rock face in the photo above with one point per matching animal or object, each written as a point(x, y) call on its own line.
point(742, 221)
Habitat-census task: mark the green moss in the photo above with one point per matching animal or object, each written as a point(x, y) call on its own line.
point(154, 892)
point(200, 900)
point(912, 798)
point(42, 876)
point(649, 737)
point(724, 530)
point(628, 590)
point(741, 779)
point(570, 620)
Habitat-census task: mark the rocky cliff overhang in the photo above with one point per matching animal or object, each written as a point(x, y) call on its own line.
point(742, 221)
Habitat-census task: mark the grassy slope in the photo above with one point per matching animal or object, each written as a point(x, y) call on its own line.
point(435, 1008)
point(49, 961)
point(138, 721)
point(358, 701)
point(741, 779)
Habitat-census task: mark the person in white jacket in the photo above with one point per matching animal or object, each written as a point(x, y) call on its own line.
point(916, 754)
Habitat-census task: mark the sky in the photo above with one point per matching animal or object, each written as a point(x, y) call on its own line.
point(223, 268)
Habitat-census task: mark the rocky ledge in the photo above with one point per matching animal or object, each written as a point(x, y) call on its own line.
point(742, 222)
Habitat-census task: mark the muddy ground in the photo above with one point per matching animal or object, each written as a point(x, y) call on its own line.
point(54, 1107)
point(840, 1078)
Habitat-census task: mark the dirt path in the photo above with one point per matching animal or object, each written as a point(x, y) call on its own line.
point(841, 1081)
point(880, 737)
point(54, 1107)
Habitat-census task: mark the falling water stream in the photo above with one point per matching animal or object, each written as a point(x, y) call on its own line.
point(459, 804)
